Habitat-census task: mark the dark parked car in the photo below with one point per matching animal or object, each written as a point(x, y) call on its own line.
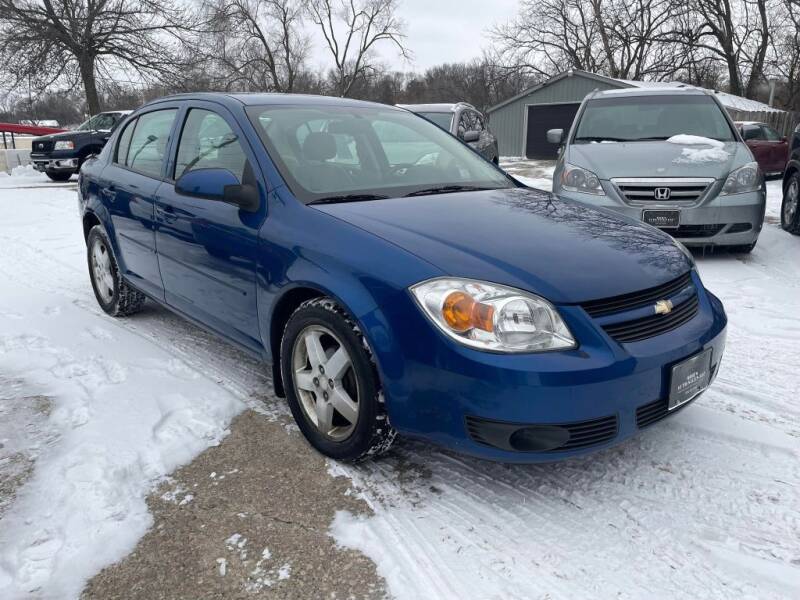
point(464, 121)
point(790, 208)
point(769, 148)
point(60, 155)
point(396, 281)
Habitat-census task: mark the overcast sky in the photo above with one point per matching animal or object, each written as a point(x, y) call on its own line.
point(439, 31)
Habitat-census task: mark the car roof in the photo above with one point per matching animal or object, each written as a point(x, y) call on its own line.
point(654, 90)
point(442, 107)
point(276, 99)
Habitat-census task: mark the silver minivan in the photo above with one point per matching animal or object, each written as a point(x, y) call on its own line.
point(670, 157)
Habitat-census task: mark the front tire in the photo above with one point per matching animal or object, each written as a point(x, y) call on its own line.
point(59, 176)
point(113, 294)
point(790, 207)
point(332, 385)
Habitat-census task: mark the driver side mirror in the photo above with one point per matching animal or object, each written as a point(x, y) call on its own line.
point(220, 185)
point(555, 136)
point(472, 136)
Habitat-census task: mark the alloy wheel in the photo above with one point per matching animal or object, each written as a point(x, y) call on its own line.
point(325, 382)
point(790, 202)
point(102, 270)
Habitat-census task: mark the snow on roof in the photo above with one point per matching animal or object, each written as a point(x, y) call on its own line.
point(727, 100)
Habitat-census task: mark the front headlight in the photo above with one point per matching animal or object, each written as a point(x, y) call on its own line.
point(744, 179)
point(492, 317)
point(578, 179)
point(64, 146)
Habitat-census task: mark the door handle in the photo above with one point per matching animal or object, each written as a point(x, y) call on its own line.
point(109, 192)
point(166, 213)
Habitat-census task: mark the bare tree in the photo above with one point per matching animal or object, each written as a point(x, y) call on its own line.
point(619, 38)
point(352, 29)
point(46, 41)
point(733, 32)
point(259, 44)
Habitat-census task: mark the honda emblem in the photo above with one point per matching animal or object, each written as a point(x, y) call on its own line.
point(662, 193)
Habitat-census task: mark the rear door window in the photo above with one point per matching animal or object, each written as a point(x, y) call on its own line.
point(124, 143)
point(149, 141)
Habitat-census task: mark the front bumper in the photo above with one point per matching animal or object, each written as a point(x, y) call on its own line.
point(713, 221)
point(438, 390)
point(44, 162)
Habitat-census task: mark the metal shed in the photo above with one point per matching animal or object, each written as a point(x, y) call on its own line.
point(521, 122)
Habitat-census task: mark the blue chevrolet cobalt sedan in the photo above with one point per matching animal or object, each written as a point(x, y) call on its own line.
point(394, 279)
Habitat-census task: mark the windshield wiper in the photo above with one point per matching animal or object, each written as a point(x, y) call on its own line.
point(446, 189)
point(347, 198)
point(655, 138)
point(600, 138)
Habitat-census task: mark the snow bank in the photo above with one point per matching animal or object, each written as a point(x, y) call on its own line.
point(125, 412)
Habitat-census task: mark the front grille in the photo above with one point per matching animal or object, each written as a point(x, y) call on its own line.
point(45, 146)
point(590, 433)
point(625, 302)
point(647, 189)
point(650, 413)
point(696, 231)
point(647, 327)
point(740, 227)
point(549, 437)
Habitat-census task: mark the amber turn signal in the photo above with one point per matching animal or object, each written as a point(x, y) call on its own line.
point(462, 313)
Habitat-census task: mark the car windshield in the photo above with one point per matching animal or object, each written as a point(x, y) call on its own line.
point(101, 122)
point(442, 119)
point(659, 117)
point(340, 154)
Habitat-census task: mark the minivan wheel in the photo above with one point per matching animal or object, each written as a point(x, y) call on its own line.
point(113, 295)
point(332, 384)
point(790, 208)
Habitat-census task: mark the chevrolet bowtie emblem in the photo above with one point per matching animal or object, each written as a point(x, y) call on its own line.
point(663, 307)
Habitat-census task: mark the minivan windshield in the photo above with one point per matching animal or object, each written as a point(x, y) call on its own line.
point(657, 117)
point(346, 154)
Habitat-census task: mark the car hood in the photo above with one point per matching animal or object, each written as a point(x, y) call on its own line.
point(659, 159)
point(529, 239)
point(64, 135)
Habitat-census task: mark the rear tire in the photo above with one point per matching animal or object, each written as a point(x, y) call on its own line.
point(113, 294)
point(59, 176)
point(790, 207)
point(340, 411)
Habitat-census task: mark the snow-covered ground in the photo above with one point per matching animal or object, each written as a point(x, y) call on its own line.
point(703, 505)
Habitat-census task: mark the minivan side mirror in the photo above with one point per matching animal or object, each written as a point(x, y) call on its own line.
point(218, 184)
point(555, 136)
point(472, 136)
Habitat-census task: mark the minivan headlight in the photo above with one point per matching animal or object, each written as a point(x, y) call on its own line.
point(578, 179)
point(492, 317)
point(64, 146)
point(746, 178)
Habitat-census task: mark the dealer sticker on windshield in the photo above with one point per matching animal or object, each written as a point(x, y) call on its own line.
point(689, 378)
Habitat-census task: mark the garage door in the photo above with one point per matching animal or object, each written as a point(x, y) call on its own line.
point(541, 118)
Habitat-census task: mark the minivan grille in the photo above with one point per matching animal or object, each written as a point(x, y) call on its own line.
point(663, 190)
point(625, 302)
